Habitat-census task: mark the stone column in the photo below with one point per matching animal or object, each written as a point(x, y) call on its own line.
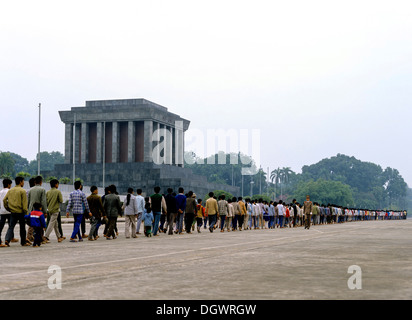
point(183, 148)
point(179, 147)
point(168, 145)
point(115, 142)
point(148, 141)
point(156, 129)
point(173, 131)
point(160, 145)
point(77, 142)
point(139, 141)
point(155, 147)
point(99, 142)
point(85, 143)
point(131, 144)
point(68, 143)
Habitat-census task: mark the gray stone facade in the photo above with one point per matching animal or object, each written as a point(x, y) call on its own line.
point(145, 176)
point(113, 131)
point(130, 143)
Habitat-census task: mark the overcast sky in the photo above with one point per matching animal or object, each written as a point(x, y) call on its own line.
point(317, 78)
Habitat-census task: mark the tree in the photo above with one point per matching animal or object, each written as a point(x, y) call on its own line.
point(260, 180)
point(50, 178)
point(6, 164)
point(47, 161)
point(396, 187)
point(372, 187)
point(325, 191)
point(275, 177)
point(349, 170)
point(224, 168)
point(218, 193)
point(79, 179)
point(24, 175)
point(285, 174)
point(21, 164)
point(282, 177)
point(264, 197)
point(65, 180)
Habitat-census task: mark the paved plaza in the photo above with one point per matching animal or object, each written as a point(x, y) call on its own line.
point(243, 265)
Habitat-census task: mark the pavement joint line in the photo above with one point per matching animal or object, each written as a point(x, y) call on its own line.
point(242, 251)
point(139, 258)
point(302, 238)
point(318, 231)
point(131, 270)
point(357, 228)
point(83, 278)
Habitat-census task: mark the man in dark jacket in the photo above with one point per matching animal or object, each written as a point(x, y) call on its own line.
point(191, 206)
point(113, 209)
point(180, 208)
point(295, 212)
point(158, 203)
point(171, 209)
point(307, 211)
point(96, 212)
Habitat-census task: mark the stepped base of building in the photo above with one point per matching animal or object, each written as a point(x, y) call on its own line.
point(142, 175)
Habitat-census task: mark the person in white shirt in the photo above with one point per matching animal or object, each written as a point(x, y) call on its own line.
point(261, 209)
point(288, 217)
point(4, 214)
point(339, 215)
point(300, 214)
point(266, 213)
point(248, 219)
point(229, 216)
point(130, 213)
point(281, 213)
point(271, 211)
point(350, 214)
point(140, 203)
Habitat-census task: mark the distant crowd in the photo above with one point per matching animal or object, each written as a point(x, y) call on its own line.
point(38, 211)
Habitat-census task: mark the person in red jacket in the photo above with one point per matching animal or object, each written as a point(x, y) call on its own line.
point(37, 222)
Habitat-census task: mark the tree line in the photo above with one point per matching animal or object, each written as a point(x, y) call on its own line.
point(12, 165)
point(340, 180)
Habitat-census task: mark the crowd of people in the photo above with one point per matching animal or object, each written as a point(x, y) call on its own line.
point(171, 213)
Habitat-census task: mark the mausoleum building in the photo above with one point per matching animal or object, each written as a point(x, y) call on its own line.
point(130, 143)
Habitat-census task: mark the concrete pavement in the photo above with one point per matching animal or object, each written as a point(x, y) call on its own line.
point(243, 265)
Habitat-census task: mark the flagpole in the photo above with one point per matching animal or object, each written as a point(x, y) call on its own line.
point(74, 147)
point(38, 151)
point(104, 154)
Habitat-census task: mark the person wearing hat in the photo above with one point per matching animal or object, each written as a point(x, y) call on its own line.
point(223, 208)
point(200, 214)
point(191, 207)
point(194, 217)
point(243, 211)
point(212, 211)
point(307, 210)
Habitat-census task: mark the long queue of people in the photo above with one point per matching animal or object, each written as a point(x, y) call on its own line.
point(280, 214)
point(171, 213)
point(30, 207)
point(238, 214)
